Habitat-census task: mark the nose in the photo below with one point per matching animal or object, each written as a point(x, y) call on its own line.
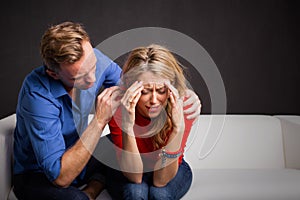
point(91, 77)
point(153, 99)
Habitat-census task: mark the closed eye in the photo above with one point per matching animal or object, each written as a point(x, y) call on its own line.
point(162, 90)
point(145, 91)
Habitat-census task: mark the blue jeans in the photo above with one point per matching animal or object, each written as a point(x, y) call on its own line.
point(31, 186)
point(120, 188)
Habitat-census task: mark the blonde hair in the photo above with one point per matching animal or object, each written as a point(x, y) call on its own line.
point(62, 43)
point(160, 61)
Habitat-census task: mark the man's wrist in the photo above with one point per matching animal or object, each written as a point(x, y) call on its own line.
point(100, 125)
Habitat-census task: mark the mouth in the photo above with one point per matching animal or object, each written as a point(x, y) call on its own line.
point(153, 109)
point(89, 85)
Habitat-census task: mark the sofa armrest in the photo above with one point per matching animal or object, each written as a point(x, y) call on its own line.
point(7, 126)
point(290, 125)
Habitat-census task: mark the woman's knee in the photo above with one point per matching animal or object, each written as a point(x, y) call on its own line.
point(135, 191)
point(160, 193)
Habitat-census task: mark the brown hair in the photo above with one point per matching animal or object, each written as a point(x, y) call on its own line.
point(62, 43)
point(160, 61)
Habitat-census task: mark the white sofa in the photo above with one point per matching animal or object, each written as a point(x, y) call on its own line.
point(232, 157)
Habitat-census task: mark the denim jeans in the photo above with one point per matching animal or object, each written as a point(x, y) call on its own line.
point(31, 186)
point(120, 188)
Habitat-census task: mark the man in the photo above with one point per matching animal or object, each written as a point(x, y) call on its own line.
point(53, 142)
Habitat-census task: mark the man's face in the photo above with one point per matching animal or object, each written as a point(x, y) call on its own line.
point(81, 74)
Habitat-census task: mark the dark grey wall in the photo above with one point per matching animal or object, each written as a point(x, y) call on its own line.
point(255, 44)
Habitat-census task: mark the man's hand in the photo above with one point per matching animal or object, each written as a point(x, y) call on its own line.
point(192, 99)
point(106, 105)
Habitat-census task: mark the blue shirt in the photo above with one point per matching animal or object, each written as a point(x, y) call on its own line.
point(49, 121)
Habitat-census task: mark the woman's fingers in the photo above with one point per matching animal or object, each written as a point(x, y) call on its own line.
point(172, 89)
point(132, 94)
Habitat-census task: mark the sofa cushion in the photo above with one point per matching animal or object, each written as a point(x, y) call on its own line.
point(251, 184)
point(235, 141)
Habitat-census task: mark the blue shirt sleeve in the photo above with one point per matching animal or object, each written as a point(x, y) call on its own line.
point(43, 126)
point(108, 72)
point(112, 75)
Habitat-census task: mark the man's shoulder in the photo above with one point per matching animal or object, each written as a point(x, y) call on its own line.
point(100, 54)
point(39, 91)
point(37, 83)
point(106, 66)
point(36, 79)
point(102, 59)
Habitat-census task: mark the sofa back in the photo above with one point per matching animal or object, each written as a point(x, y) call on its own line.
point(235, 141)
point(7, 126)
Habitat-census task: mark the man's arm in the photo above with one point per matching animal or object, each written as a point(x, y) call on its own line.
point(75, 159)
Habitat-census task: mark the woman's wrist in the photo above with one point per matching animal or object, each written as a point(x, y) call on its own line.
point(172, 149)
point(165, 154)
point(128, 130)
point(171, 154)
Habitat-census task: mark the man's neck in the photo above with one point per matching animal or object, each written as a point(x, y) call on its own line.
point(70, 91)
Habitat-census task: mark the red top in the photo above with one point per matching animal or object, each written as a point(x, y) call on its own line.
point(148, 153)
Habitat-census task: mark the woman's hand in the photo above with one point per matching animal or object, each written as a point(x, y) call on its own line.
point(177, 109)
point(129, 101)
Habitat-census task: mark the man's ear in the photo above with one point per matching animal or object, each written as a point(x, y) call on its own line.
point(52, 73)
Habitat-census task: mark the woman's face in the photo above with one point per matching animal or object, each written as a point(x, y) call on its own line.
point(154, 95)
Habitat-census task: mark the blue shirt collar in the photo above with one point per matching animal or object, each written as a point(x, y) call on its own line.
point(57, 88)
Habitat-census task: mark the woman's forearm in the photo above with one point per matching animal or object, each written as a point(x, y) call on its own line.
point(174, 141)
point(164, 174)
point(131, 161)
point(166, 168)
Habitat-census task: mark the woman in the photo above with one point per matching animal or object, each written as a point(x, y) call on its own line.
point(150, 128)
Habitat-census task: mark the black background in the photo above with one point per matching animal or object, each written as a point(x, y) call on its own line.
point(255, 44)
